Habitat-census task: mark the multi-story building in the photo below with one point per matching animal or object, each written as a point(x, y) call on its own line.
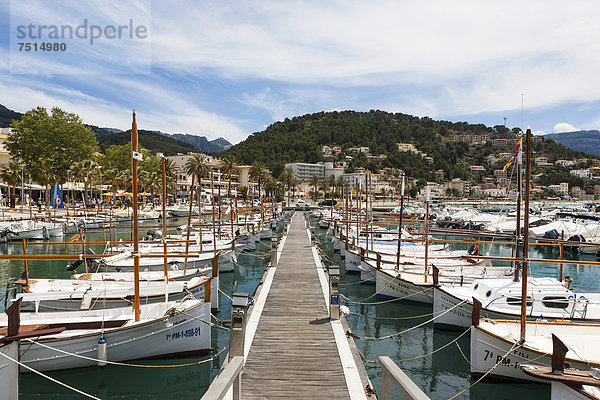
point(565, 163)
point(499, 173)
point(4, 155)
point(305, 171)
point(471, 139)
point(406, 147)
point(184, 180)
point(463, 187)
point(562, 189)
point(581, 173)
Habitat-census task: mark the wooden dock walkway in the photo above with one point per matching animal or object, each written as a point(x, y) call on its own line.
point(294, 354)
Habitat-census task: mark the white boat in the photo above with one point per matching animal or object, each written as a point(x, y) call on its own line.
point(412, 284)
point(501, 299)
point(167, 328)
point(498, 342)
point(44, 295)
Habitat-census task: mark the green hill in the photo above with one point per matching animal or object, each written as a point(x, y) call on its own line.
point(300, 139)
point(153, 141)
point(6, 116)
point(588, 141)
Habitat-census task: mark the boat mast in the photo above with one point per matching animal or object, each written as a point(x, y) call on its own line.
point(136, 247)
point(400, 224)
point(518, 227)
point(526, 236)
point(212, 194)
point(426, 233)
point(164, 218)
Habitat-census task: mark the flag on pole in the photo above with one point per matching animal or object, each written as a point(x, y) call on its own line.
point(515, 156)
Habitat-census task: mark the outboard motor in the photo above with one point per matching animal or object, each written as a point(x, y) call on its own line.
point(576, 238)
point(551, 234)
point(473, 250)
point(91, 263)
point(6, 231)
point(154, 235)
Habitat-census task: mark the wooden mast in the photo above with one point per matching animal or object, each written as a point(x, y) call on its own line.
point(400, 224)
point(518, 227)
point(526, 237)
point(212, 194)
point(347, 217)
point(426, 238)
point(164, 219)
point(136, 247)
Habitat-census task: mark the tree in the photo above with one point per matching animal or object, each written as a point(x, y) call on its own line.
point(287, 180)
point(243, 192)
point(59, 138)
point(197, 167)
point(259, 173)
point(314, 181)
point(84, 170)
point(11, 174)
point(229, 168)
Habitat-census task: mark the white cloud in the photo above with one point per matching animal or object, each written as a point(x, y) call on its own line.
point(175, 115)
point(433, 58)
point(480, 61)
point(564, 127)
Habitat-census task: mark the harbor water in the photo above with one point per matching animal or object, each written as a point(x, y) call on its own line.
point(441, 375)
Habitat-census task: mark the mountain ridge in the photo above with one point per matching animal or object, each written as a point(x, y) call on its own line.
point(178, 142)
point(583, 140)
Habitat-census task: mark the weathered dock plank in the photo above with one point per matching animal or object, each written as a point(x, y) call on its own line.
point(294, 353)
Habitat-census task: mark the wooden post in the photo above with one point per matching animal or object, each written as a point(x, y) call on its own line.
point(526, 238)
point(189, 223)
point(518, 227)
point(164, 222)
point(136, 248)
point(26, 266)
point(212, 195)
point(400, 225)
point(346, 222)
point(562, 248)
point(426, 238)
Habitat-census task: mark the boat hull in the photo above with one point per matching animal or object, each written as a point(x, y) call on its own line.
point(169, 335)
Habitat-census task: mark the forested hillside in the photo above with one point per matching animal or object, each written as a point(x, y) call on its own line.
point(300, 140)
point(155, 142)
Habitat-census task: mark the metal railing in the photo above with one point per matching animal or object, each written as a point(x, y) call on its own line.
point(229, 378)
point(391, 373)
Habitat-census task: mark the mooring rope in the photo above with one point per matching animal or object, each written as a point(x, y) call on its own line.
point(127, 364)
point(414, 327)
point(50, 378)
point(455, 340)
point(516, 345)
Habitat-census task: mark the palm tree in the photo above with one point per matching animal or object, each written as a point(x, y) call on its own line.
point(243, 192)
point(45, 175)
point(287, 179)
point(229, 168)
point(314, 181)
point(259, 172)
point(87, 171)
point(197, 167)
point(11, 175)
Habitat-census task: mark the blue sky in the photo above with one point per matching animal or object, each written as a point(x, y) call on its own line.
point(231, 68)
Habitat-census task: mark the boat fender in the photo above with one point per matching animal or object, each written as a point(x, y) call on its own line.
point(102, 352)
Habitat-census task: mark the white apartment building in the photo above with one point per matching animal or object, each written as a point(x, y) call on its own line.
point(581, 173)
point(305, 171)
